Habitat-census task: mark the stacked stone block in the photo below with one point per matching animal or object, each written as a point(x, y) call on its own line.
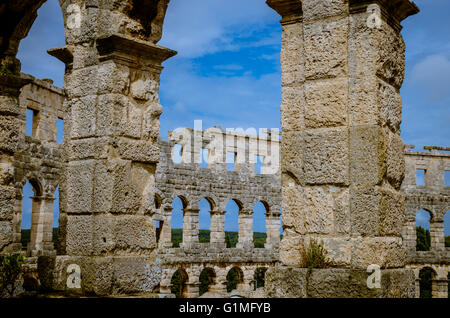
point(342, 155)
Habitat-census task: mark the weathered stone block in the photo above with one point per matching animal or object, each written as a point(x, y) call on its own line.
point(8, 200)
point(83, 123)
point(290, 248)
point(9, 133)
point(325, 156)
point(286, 282)
point(6, 235)
point(367, 169)
point(395, 160)
point(390, 106)
point(292, 109)
point(79, 186)
point(319, 9)
point(326, 48)
point(79, 235)
point(387, 252)
point(326, 103)
point(113, 78)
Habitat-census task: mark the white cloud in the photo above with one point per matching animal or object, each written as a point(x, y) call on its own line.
point(229, 101)
point(432, 75)
point(199, 27)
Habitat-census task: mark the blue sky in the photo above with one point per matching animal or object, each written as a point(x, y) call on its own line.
point(227, 69)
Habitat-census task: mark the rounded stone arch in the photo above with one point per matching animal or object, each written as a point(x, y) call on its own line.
point(178, 281)
point(425, 279)
point(16, 20)
point(37, 182)
point(207, 278)
point(238, 202)
point(267, 204)
point(184, 199)
point(234, 278)
point(211, 198)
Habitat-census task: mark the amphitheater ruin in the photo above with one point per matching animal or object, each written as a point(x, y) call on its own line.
point(344, 175)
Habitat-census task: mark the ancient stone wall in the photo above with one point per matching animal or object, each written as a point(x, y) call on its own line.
point(434, 197)
point(37, 159)
point(192, 182)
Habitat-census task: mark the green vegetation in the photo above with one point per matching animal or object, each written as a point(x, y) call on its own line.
point(231, 238)
point(447, 241)
point(10, 271)
point(232, 279)
point(425, 276)
point(423, 239)
point(314, 256)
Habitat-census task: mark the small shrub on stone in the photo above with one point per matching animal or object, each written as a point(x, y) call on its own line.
point(315, 255)
point(10, 272)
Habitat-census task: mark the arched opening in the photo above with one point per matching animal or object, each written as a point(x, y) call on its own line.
point(207, 279)
point(235, 277)
point(232, 223)
point(179, 283)
point(426, 277)
point(260, 210)
point(260, 275)
point(47, 32)
point(447, 229)
point(423, 239)
point(178, 204)
point(204, 234)
point(31, 206)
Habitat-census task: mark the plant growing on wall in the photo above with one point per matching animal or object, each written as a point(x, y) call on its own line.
point(314, 255)
point(10, 272)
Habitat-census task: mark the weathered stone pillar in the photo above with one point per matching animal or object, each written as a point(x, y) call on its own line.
point(10, 139)
point(245, 239)
point(273, 224)
point(41, 243)
point(220, 282)
point(190, 226)
point(217, 238)
point(165, 239)
point(409, 235)
point(440, 288)
point(342, 155)
point(437, 236)
point(113, 68)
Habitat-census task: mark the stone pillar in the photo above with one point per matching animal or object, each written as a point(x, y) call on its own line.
point(417, 286)
point(409, 234)
point(113, 68)
point(220, 282)
point(41, 243)
point(437, 235)
point(190, 226)
point(11, 136)
point(245, 239)
point(273, 224)
point(440, 288)
point(342, 155)
point(165, 239)
point(217, 238)
point(248, 280)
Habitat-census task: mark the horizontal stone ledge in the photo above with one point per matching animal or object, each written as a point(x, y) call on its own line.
point(291, 282)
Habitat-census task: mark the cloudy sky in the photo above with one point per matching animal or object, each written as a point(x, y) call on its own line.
point(227, 69)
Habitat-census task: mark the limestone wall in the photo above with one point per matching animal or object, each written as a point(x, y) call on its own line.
point(434, 197)
point(37, 159)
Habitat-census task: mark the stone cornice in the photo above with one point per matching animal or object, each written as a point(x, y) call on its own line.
point(394, 11)
point(132, 50)
point(290, 10)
